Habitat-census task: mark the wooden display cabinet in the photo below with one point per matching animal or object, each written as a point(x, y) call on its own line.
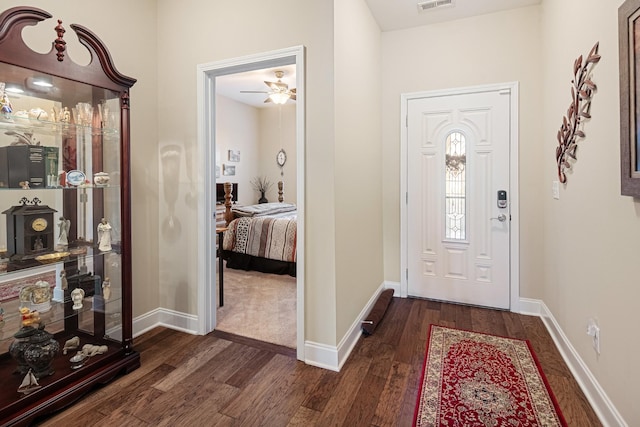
point(75, 118)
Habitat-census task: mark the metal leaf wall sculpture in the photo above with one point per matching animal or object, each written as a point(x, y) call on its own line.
point(581, 93)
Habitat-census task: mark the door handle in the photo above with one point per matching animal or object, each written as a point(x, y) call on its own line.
point(501, 218)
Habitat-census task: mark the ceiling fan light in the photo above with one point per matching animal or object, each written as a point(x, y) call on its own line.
point(279, 97)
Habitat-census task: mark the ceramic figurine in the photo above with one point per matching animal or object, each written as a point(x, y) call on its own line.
point(29, 383)
point(101, 179)
point(104, 236)
point(63, 236)
point(29, 317)
point(71, 344)
point(92, 349)
point(5, 107)
point(65, 116)
point(64, 285)
point(77, 295)
point(38, 114)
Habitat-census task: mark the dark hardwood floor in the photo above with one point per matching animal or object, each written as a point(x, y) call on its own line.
point(223, 380)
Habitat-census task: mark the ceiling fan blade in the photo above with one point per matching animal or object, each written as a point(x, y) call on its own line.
point(293, 90)
point(292, 96)
point(277, 86)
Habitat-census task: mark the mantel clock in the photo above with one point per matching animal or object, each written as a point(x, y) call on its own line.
point(30, 230)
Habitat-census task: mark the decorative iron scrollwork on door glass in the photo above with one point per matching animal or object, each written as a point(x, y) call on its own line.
point(455, 187)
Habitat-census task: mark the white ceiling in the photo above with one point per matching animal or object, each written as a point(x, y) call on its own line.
point(390, 15)
point(399, 14)
point(231, 85)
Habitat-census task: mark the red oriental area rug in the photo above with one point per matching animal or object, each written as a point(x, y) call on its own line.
point(474, 379)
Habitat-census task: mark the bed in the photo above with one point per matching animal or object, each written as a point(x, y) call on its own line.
point(262, 238)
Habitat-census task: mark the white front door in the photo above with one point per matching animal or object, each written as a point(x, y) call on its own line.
point(458, 198)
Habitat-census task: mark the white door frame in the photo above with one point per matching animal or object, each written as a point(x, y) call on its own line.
point(207, 296)
point(514, 252)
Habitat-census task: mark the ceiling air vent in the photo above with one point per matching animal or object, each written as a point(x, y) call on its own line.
point(432, 4)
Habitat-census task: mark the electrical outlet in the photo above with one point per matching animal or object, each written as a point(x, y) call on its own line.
point(593, 330)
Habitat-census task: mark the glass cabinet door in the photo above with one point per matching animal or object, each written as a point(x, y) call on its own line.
point(61, 231)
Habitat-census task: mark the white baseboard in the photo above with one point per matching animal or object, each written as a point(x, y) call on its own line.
point(321, 355)
point(393, 285)
point(530, 307)
point(600, 402)
point(333, 358)
point(168, 318)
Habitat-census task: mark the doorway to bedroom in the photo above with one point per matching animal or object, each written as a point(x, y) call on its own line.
point(256, 141)
point(255, 152)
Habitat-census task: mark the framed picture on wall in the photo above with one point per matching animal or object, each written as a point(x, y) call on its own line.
point(234, 156)
point(629, 46)
point(228, 170)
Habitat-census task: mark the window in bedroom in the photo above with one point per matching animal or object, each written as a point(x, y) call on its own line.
point(455, 187)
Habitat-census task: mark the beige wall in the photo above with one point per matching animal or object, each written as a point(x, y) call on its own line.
point(494, 48)
point(209, 31)
point(336, 167)
point(135, 57)
point(591, 232)
point(358, 163)
point(238, 128)
point(278, 130)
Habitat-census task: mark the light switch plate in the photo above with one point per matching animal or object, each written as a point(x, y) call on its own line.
point(555, 188)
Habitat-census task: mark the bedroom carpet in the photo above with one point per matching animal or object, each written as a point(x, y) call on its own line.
point(259, 306)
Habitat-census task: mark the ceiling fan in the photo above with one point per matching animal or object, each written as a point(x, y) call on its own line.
point(278, 92)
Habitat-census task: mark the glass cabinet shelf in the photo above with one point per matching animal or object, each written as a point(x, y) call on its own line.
point(55, 317)
point(37, 127)
point(88, 186)
point(72, 254)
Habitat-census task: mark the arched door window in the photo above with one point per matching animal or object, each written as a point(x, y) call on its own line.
point(455, 187)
